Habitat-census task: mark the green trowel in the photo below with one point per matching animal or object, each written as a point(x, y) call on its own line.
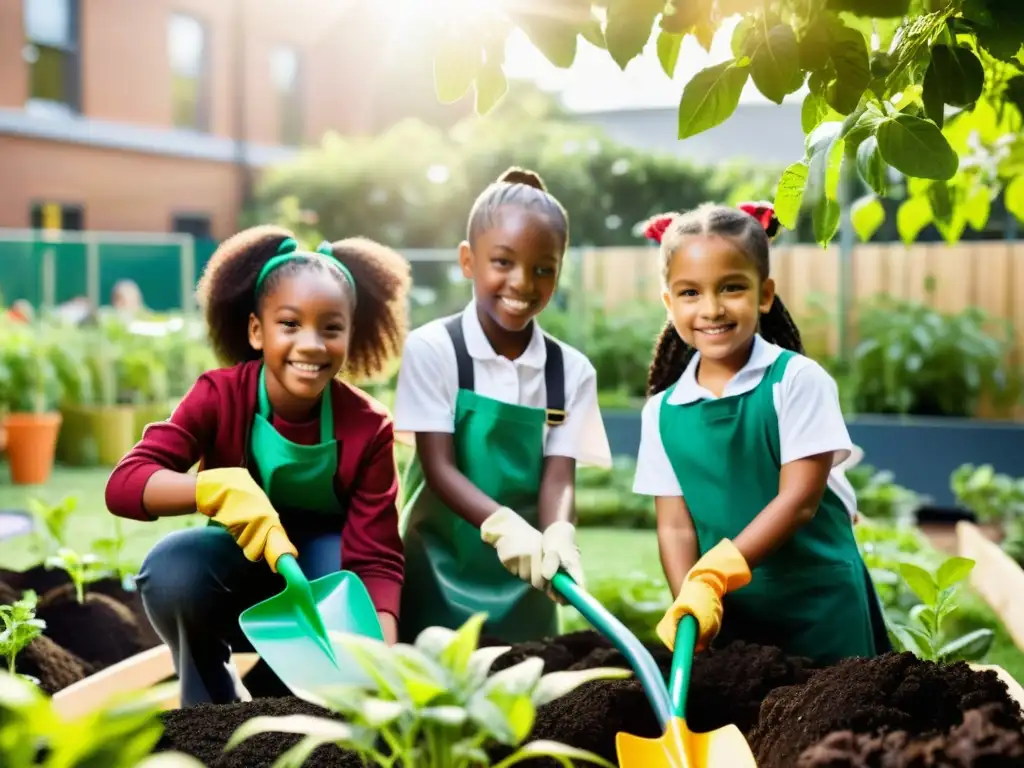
point(290, 630)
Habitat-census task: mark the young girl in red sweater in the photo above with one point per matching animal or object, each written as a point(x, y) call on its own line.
point(292, 460)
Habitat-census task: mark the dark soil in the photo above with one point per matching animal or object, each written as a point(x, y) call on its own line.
point(896, 692)
point(100, 630)
point(54, 667)
point(948, 717)
point(78, 640)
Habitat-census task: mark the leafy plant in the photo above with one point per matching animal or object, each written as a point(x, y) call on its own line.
point(893, 87)
point(122, 734)
point(923, 634)
point(84, 569)
point(913, 359)
point(880, 498)
point(605, 498)
point(21, 627)
point(993, 497)
point(433, 704)
point(111, 551)
point(51, 523)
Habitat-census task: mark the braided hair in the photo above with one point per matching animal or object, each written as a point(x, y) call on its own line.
point(751, 226)
point(521, 188)
point(227, 291)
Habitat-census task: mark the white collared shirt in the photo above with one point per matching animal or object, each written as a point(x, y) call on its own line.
point(806, 402)
point(428, 384)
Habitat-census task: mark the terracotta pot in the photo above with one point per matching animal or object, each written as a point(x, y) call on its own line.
point(31, 446)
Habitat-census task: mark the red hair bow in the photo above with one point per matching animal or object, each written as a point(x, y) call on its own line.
point(764, 213)
point(656, 227)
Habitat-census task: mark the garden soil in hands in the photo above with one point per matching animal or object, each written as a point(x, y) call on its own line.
point(891, 712)
point(79, 639)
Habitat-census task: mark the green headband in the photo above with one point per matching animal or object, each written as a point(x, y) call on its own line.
point(289, 250)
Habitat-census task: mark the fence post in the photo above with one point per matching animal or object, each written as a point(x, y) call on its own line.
point(188, 275)
point(92, 269)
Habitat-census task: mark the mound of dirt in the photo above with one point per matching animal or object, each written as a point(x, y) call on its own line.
point(100, 630)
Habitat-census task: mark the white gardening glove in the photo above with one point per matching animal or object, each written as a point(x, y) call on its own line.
point(559, 550)
point(517, 543)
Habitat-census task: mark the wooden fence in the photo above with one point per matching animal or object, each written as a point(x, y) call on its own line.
point(989, 275)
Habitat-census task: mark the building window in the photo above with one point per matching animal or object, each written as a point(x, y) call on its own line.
point(195, 224)
point(51, 51)
point(284, 72)
point(51, 217)
point(189, 58)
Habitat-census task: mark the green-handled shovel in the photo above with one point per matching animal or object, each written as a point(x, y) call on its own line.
point(290, 630)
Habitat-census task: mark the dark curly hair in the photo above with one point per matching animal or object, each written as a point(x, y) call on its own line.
point(522, 188)
point(227, 291)
point(751, 226)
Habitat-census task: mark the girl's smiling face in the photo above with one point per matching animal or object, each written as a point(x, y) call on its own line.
point(715, 296)
point(303, 330)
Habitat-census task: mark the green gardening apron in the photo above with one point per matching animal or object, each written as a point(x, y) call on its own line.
point(812, 596)
point(291, 474)
point(450, 573)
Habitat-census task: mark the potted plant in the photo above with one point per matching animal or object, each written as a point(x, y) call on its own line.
point(33, 422)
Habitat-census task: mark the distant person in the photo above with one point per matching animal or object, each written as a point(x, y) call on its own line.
point(126, 298)
point(293, 460)
point(502, 412)
point(740, 444)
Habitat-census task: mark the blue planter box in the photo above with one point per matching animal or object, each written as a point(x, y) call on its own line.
point(921, 452)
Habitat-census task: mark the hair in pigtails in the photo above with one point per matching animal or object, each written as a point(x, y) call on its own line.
point(751, 226)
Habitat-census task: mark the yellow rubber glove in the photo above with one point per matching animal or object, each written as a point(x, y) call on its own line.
point(233, 499)
point(722, 569)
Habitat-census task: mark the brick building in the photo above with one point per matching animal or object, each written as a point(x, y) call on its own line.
point(154, 115)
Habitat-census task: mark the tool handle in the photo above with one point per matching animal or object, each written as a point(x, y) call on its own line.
point(682, 664)
point(639, 658)
point(289, 568)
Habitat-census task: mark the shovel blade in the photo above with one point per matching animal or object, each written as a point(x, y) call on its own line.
point(285, 639)
point(679, 747)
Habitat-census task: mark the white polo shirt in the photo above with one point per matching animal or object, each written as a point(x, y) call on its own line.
point(428, 384)
point(807, 404)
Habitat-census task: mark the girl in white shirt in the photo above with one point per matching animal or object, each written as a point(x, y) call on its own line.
point(502, 413)
point(740, 445)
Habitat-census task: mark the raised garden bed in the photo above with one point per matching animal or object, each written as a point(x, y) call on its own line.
point(895, 710)
point(996, 577)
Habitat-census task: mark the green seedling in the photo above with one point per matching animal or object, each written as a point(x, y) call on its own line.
point(433, 703)
point(21, 627)
point(922, 635)
point(52, 523)
point(83, 569)
point(111, 550)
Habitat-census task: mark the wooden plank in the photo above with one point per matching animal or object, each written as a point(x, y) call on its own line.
point(996, 577)
point(133, 675)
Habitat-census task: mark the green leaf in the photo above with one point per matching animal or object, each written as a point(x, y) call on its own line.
point(790, 194)
point(303, 725)
point(519, 679)
point(553, 749)
point(873, 8)
point(668, 52)
point(916, 147)
point(848, 53)
point(170, 760)
point(456, 64)
point(813, 112)
point(825, 217)
point(906, 639)
point(460, 649)
point(977, 208)
point(480, 664)
point(953, 571)
point(774, 60)
point(711, 97)
point(971, 647)
point(490, 86)
point(554, 37)
point(867, 215)
point(557, 684)
point(913, 215)
point(1013, 197)
point(872, 167)
point(920, 582)
point(956, 75)
point(629, 28)
point(444, 715)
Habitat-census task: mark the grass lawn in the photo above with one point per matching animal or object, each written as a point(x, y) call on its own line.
point(606, 551)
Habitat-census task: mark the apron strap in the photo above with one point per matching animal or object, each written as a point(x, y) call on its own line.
point(554, 369)
point(326, 410)
point(462, 359)
point(554, 382)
